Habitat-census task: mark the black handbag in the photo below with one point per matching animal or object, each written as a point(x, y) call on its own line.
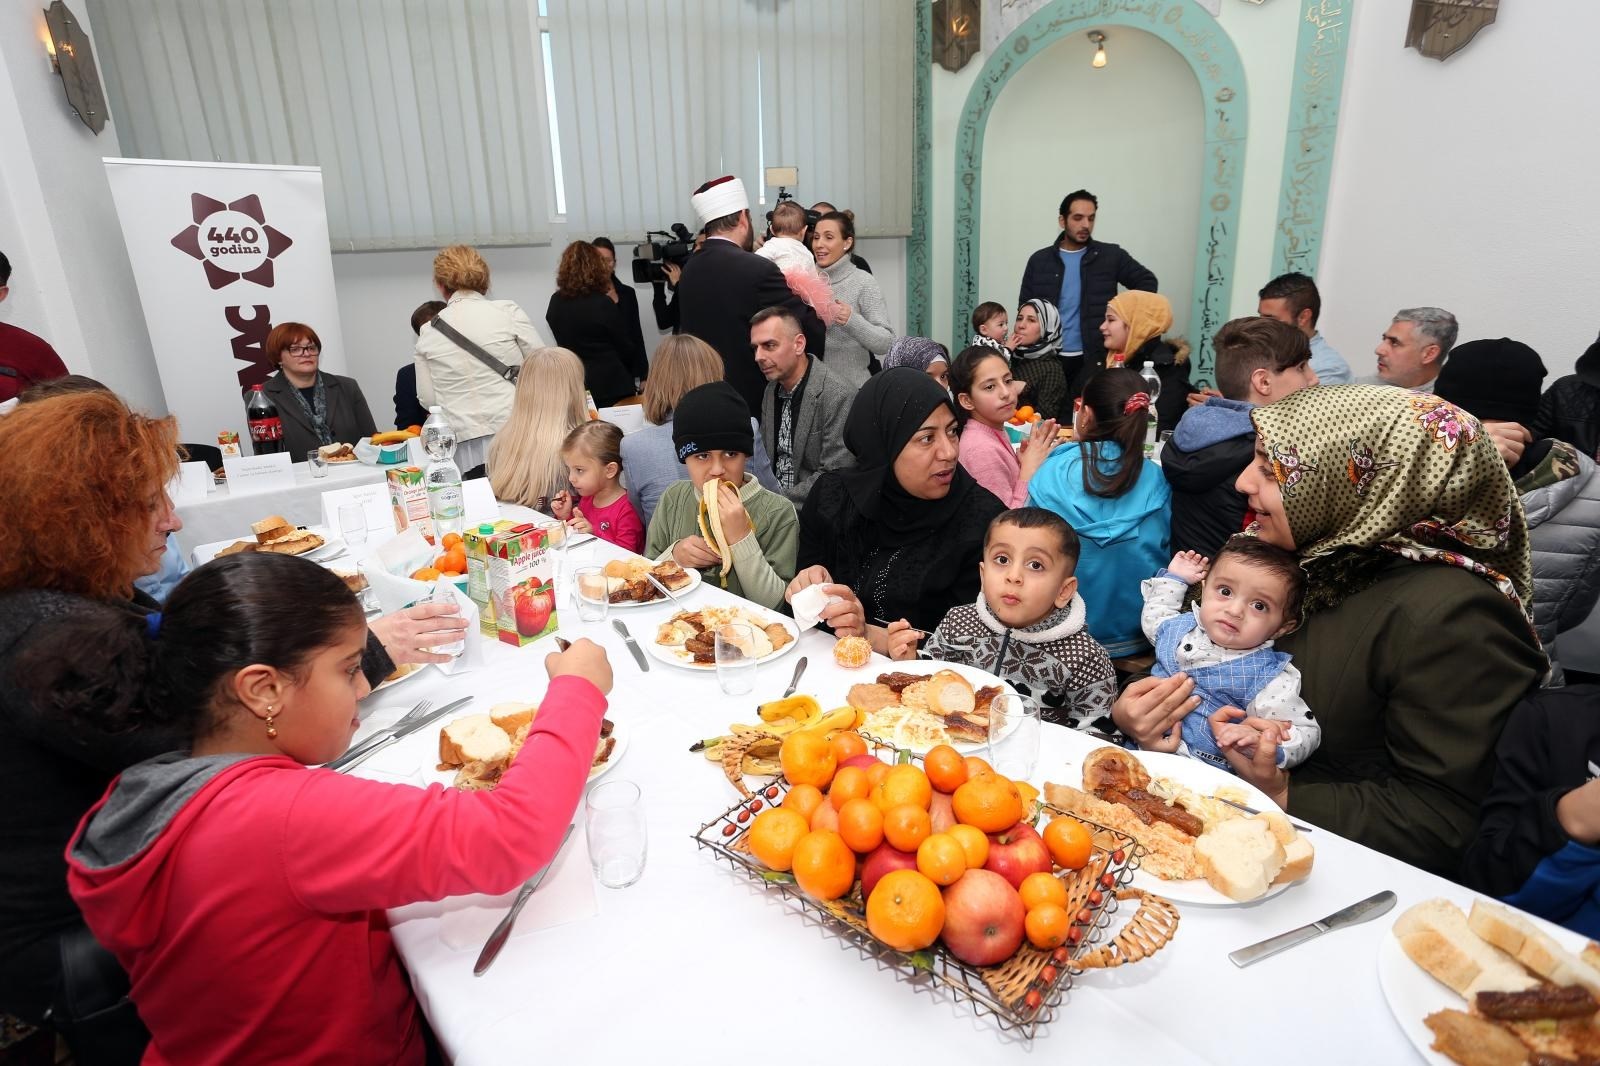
point(508, 373)
point(92, 1011)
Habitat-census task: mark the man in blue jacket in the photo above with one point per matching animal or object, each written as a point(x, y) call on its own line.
point(1080, 275)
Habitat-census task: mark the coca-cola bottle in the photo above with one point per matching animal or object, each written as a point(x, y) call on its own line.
point(266, 429)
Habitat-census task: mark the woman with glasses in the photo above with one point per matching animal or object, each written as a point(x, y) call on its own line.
point(316, 407)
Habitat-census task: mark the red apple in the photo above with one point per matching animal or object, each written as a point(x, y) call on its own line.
point(881, 860)
point(533, 610)
point(866, 762)
point(983, 919)
point(1016, 853)
point(941, 812)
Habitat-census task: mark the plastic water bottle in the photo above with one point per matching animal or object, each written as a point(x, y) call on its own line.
point(1152, 385)
point(442, 477)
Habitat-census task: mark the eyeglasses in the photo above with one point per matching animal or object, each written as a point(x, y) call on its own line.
point(303, 349)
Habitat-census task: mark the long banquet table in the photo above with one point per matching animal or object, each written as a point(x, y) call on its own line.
point(696, 963)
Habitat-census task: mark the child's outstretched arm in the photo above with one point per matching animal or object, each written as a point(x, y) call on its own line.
point(1189, 567)
point(1163, 600)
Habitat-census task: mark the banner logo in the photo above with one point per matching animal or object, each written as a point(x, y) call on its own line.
point(231, 240)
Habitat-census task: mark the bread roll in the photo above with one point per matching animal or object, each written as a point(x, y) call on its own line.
point(271, 528)
point(473, 738)
point(1521, 939)
point(949, 693)
point(511, 717)
point(1434, 934)
point(1239, 858)
point(1297, 850)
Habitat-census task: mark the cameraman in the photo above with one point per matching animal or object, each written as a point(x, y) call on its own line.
point(724, 284)
point(667, 310)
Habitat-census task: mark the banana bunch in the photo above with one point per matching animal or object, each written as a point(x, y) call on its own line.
point(753, 749)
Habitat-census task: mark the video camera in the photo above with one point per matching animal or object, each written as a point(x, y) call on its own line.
point(649, 257)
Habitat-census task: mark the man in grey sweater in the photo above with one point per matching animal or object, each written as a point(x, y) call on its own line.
point(804, 407)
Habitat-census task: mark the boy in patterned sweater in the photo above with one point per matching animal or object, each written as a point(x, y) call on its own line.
point(1027, 625)
point(1250, 598)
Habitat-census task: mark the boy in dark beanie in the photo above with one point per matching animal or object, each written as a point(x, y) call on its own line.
point(756, 531)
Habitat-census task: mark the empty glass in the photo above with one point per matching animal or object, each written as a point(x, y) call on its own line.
point(1014, 727)
point(736, 668)
point(353, 523)
point(317, 464)
point(616, 832)
point(590, 584)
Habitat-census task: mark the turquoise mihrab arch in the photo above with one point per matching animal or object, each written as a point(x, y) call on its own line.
point(1203, 43)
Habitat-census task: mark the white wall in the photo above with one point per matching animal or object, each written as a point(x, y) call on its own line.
point(72, 283)
point(379, 290)
point(1469, 184)
point(1138, 159)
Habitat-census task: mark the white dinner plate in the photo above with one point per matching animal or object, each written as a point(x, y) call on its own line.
point(1205, 780)
point(676, 656)
point(415, 669)
point(447, 777)
point(927, 668)
point(1412, 993)
point(620, 735)
point(662, 601)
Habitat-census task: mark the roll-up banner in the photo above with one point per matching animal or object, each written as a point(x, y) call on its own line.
point(221, 253)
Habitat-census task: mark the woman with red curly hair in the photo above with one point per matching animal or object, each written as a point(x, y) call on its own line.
point(91, 476)
point(316, 407)
point(584, 319)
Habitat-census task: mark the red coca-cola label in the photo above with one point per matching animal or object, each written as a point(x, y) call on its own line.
point(266, 429)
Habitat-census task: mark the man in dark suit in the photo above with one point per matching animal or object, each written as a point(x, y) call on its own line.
point(724, 284)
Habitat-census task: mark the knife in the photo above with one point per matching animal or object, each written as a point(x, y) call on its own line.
point(633, 645)
point(384, 739)
point(1355, 914)
point(410, 716)
point(502, 932)
point(668, 592)
point(1252, 810)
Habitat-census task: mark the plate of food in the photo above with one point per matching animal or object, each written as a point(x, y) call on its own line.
point(1198, 848)
point(403, 672)
point(275, 534)
point(338, 453)
point(688, 639)
point(475, 749)
point(628, 581)
point(1489, 984)
point(928, 703)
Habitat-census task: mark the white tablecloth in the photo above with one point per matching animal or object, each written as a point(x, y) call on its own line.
point(696, 963)
point(226, 516)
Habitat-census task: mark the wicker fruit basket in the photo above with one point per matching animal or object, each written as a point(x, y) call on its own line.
point(1028, 989)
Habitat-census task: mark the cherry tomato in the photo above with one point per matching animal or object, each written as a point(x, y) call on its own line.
point(1086, 916)
point(772, 792)
point(755, 805)
point(1075, 934)
point(1107, 881)
point(1096, 897)
point(1062, 956)
point(744, 816)
point(1118, 856)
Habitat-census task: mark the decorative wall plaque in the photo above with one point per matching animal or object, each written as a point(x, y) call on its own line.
point(74, 59)
point(1441, 28)
point(956, 28)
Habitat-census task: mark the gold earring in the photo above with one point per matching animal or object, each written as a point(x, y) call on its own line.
point(272, 732)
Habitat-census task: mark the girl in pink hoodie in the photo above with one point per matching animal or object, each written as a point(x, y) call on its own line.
point(244, 890)
point(986, 396)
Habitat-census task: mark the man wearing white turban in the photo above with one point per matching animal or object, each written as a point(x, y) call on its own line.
point(724, 284)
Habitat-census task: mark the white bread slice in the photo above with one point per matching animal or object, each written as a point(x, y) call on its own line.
point(1297, 851)
point(949, 693)
point(473, 738)
point(511, 717)
point(1434, 934)
point(1520, 938)
point(1239, 858)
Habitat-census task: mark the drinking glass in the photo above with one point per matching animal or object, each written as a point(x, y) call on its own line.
point(442, 594)
point(736, 670)
point(616, 832)
point(318, 465)
point(353, 523)
point(1014, 727)
point(589, 582)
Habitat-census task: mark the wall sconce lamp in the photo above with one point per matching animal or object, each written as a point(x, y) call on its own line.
point(72, 58)
point(1099, 40)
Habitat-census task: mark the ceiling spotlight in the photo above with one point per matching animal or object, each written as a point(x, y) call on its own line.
point(1099, 40)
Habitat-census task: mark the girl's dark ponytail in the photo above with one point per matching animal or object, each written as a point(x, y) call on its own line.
point(112, 671)
point(1110, 396)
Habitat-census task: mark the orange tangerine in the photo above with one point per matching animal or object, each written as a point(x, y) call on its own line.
point(876, 773)
point(1047, 925)
point(861, 825)
point(1069, 841)
point(988, 801)
point(905, 910)
point(946, 769)
point(807, 759)
point(774, 834)
point(976, 766)
point(1038, 889)
point(942, 859)
point(907, 784)
point(803, 799)
point(847, 744)
point(974, 843)
point(849, 783)
point(906, 826)
point(824, 866)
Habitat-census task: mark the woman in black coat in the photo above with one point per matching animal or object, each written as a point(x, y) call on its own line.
point(585, 320)
point(315, 407)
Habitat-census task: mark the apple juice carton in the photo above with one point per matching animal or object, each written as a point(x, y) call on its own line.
point(521, 584)
point(408, 497)
point(476, 541)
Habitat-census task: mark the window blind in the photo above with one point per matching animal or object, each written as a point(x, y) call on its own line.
point(653, 98)
point(426, 116)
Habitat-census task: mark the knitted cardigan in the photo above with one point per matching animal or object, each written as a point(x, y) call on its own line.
point(852, 345)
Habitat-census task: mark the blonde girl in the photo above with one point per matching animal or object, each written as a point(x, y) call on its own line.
point(593, 454)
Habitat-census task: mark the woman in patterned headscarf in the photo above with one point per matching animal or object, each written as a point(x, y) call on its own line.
point(1036, 360)
point(1416, 640)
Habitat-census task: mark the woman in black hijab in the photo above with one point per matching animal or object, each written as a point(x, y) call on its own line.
point(899, 534)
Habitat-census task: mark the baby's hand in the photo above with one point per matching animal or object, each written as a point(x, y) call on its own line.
point(1238, 737)
point(1190, 566)
point(903, 640)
